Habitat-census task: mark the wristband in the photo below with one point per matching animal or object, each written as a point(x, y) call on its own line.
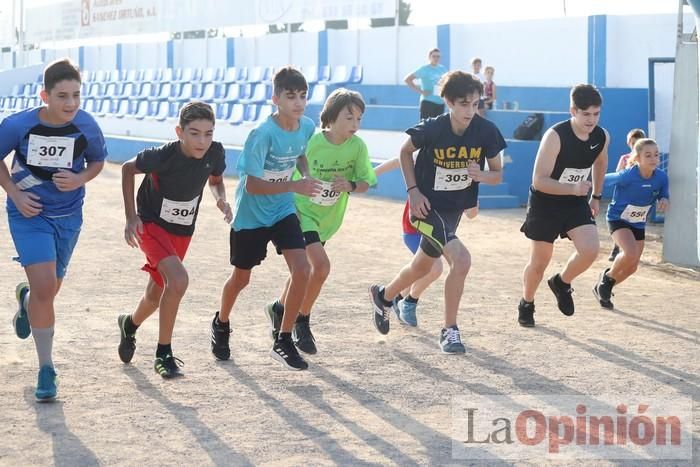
point(597, 197)
point(353, 185)
point(411, 187)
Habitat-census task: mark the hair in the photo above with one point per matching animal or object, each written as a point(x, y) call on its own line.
point(637, 149)
point(456, 84)
point(288, 79)
point(476, 60)
point(584, 96)
point(340, 99)
point(635, 134)
point(430, 52)
point(196, 110)
point(60, 70)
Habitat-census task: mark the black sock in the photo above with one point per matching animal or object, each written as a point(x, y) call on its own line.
point(399, 297)
point(303, 318)
point(220, 324)
point(277, 307)
point(410, 299)
point(382, 298)
point(560, 281)
point(284, 336)
point(163, 350)
point(129, 326)
point(524, 302)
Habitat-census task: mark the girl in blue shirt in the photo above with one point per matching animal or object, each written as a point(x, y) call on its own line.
point(637, 188)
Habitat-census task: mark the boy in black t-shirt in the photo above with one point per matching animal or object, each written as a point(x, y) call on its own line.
point(444, 182)
point(168, 203)
point(570, 153)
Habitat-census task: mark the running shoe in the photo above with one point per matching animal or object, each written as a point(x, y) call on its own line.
point(21, 319)
point(127, 342)
point(46, 385)
point(220, 333)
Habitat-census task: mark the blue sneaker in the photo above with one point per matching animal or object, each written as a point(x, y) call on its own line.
point(405, 311)
point(21, 320)
point(46, 386)
point(450, 341)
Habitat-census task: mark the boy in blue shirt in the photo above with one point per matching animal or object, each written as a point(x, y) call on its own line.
point(58, 148)
point(265, 211)
point(636, 190)
point(431, 103)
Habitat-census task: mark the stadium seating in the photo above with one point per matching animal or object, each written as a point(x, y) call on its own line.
point(238, 95)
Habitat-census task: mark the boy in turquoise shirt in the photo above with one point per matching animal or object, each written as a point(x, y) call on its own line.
point(264, 211)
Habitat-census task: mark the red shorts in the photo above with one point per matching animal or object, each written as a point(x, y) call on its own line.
point(158, 244)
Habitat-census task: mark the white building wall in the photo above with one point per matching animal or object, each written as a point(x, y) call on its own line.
point(343, 46)
point(142, 56)
point(245, 51)
point(304, 49)
point(378, 55)
point(216, 52)
point(273, 50)
point(551, 52)
point(102, 57)
point(631, 40)
point(414, 44)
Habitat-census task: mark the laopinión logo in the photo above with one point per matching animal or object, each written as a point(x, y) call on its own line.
point(572, 427)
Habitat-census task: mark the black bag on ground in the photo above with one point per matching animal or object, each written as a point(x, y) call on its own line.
point(530, 128)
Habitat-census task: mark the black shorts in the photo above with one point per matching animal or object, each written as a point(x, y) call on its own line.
point(437, 230)
point(549, 217)
point(312, 237)
point(430, 109)
point(639, 234)
point(482, 104)
point(249, 246)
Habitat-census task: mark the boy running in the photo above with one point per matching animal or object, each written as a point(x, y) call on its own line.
point(558, 204)
point(58, 148)
point(168, 204)
point(454, 149)
point(265, 212)
point(338, 158)
point(405, 304)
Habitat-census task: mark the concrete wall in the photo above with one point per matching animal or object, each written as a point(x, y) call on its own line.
point(546, 53)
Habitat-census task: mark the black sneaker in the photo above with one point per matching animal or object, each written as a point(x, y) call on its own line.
point(275, 320)
point(613, 254)
point(525, 314)
point(219, 338)
point(168, 366)
point(302, 336)
point(563, 293)
point(380, 314)
point(284, 351)
point(603, 290)
point(127, 342)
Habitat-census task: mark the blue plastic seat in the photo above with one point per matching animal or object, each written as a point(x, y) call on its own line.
point(356, 74)
point(236, 115)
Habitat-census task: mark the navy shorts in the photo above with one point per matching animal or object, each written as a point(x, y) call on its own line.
point(437, 230)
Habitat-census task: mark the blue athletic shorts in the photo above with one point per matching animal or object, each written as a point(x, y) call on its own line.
point(41, 239)
point(412, 241)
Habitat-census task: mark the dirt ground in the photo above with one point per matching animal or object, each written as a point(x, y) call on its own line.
point(367, 399)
